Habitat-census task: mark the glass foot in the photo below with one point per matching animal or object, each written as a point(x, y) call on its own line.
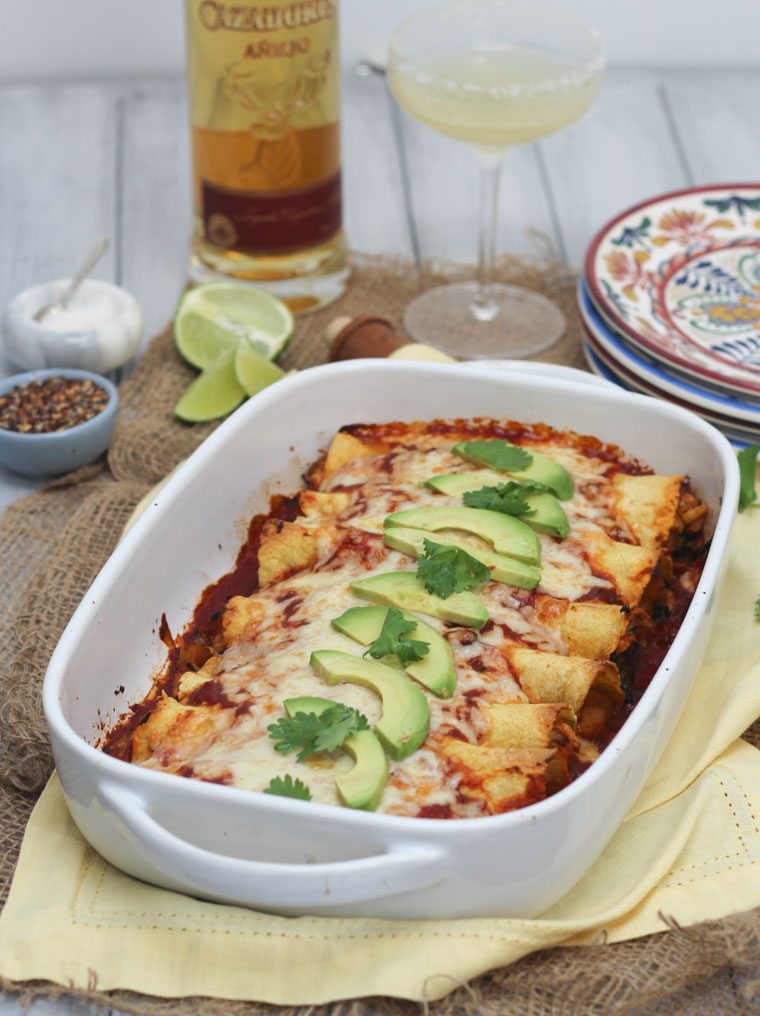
point(511, 323)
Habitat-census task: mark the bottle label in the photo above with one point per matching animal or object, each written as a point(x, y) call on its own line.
point(264, 104)
point(271, 223)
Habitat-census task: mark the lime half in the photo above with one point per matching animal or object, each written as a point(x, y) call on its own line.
point(212, 320)
point(254, 371)
point(212, 395)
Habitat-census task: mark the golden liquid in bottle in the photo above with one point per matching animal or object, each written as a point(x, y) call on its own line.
point(264, 110)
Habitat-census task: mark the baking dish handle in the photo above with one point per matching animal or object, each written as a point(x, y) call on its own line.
point(403, 868)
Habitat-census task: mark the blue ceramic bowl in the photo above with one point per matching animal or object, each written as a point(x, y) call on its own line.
point(61, 451)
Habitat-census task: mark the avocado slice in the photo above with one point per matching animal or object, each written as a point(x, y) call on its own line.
point(363, 786)
point(405, 591)
point(436, 670)
point(363, 624)
point(307, 704)
point(541, 468)
point(507, 534)
point(405, 721)
point(457, 484)
point(547, 514)
point(503, 569)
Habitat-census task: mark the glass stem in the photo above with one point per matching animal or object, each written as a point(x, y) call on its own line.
point(483, 305)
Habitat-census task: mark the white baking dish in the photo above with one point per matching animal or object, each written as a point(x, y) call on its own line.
point(292, 857)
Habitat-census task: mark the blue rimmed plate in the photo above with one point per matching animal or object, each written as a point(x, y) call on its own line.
point(603, 370)
point(736, 409)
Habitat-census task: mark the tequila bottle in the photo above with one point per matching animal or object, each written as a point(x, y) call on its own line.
point(264, 110)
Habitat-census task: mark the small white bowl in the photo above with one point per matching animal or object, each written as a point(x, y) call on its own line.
point(101, 331)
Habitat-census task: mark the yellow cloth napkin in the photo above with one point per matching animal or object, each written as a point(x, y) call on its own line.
point(689, 850)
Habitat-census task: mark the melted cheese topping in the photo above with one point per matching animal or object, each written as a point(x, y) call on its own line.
point(286, 622)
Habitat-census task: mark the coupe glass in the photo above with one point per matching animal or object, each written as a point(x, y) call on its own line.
point(491, 73)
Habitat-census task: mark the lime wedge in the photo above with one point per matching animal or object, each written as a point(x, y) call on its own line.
point(213, 319)
point(254, 371)
point(215, 393)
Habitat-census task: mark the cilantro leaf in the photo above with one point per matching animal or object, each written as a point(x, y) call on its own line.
point(747, 458)
point(309, 733)
point(507, 498)
point(390, 641)
point(757, 608)
point(342, 721)
point(297, 732)
point(286, 786)
point(499, 454)
point(446, 570)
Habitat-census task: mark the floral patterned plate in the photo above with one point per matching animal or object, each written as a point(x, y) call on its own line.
point(679, 276)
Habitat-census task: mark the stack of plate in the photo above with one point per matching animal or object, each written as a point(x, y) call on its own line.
point(670, 303)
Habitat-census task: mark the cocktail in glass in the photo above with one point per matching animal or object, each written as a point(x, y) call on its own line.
point(493, 74)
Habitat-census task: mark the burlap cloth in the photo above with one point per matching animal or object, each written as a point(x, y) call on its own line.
point(53, 543)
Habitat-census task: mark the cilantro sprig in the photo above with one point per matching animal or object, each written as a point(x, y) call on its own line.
point(508, 498)
point(747, 458)
point(499, 454)
point(286, 786)
point(391, 641)
point(757, 608)
point(446, 570)
point(309, 733)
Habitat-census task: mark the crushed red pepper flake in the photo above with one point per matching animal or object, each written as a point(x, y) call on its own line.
point(51, 404)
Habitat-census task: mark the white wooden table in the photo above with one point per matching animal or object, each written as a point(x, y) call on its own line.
point(81, 161)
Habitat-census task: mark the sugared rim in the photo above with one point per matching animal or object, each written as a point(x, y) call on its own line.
point(592, 65)
point(7, 384)
point(616, 320)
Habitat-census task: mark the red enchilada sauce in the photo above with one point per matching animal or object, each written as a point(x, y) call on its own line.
point(201, 638)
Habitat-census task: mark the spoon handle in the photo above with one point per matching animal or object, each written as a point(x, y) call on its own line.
point(91, 260)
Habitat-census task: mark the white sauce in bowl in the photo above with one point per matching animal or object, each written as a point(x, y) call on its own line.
point(99, 330)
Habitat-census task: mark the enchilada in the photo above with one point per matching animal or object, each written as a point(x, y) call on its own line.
point(548, 652)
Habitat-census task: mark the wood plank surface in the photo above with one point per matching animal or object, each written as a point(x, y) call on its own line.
point(9, 1006)
point(373, 193)
point(715, 119)
point(621, 152)
point(57, 183)
point(156, 197)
